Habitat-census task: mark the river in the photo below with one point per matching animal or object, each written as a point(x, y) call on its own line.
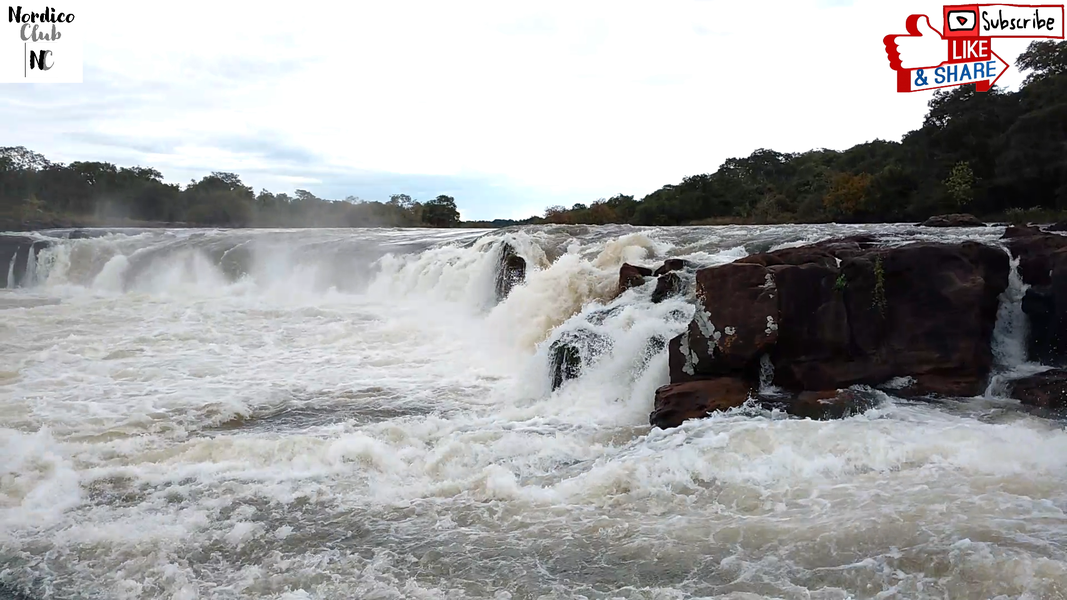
point(300, 414)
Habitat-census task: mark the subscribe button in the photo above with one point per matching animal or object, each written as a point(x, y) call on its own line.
point(1004, 20)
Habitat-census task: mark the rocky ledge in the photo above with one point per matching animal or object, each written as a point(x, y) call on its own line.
point(511, 271)
point(668, 283)
point(15, 253)
point(828, 316)
point(954, 220)
point(1043, 266)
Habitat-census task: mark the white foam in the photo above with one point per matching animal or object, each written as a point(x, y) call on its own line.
point(11, 271)
point(188, 431)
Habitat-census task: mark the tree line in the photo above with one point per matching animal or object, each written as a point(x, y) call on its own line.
point(996, 154)
point(37, 191)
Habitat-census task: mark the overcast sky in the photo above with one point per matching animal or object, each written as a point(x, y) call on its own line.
point(509, 107)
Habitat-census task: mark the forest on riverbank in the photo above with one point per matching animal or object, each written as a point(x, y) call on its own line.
point(997, 154)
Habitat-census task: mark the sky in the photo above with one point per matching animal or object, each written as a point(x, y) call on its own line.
point(508, 107)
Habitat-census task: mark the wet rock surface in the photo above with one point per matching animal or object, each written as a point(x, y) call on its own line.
point(15, 252)
point(1043, 390)
point(832, 404)
point(631, 276)
point(1043, 266)
point(845, 312)
point(671, 265)
point(572, 351)
point(667, 285)
point(678, 402)
point(1036, 252)
point(510, 273)
point(953, 220)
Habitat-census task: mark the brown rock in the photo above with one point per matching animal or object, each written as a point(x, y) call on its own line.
point(667, 285)
point(510, 273)
point(632, 276)
point(671, 264)
point(15, 253)
point(826, 253)
point(833, 404)
point(946, 383)
point(954, 220)
point(1046, 308)
point(1034, 249)
point(695, 399)
point(923, 310)
point(792, 256)
point(1044, 390)
point(1017, 231)
point(992, 264)
point(813, 328)
point(679, 359)
point(736, 318)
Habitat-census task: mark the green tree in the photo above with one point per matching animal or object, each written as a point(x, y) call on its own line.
point(1044, 59)
point(959, 185)
point(440, 212)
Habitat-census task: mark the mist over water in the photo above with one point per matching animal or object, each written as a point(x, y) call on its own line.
point(352, 414)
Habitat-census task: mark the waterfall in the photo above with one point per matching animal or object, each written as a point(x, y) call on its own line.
point(11, 271)
point(1009, 336)
point(766, 377)
point(30, 278)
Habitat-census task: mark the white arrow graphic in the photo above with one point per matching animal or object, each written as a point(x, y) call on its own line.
point(984, 73)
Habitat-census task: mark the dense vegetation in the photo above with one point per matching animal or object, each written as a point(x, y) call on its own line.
point(996, 154)
point(37, 192)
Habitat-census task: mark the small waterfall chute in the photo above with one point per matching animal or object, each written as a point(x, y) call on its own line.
point(1010, 335)
point(10, 281)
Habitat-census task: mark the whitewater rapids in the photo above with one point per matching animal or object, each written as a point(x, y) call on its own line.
point(351, 414)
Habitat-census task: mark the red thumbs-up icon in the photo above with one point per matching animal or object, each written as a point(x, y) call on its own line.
point(922, 47)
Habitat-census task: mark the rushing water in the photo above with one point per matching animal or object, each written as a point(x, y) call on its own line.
point(351, 414)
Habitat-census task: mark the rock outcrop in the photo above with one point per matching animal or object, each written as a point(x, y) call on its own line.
point(667, 285)
point(834, 404)
point(695, 399)
point(670, 265)
point(1044, 390)
point(954, 220)
point(15, 251)
point(679, 402)
point(1043, 266)
point(510, 273)
point(573, 349)
point(631, 276)
point(1035, 250)
point(844, 312)
point(1014, 231)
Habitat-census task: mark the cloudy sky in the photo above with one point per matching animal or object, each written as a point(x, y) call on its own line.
point(507, 106)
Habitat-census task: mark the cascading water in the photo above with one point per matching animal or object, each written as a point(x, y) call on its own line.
point(31, 266)
point(11, 272)
point(766, 377)
point(1009, 337)
point(354, 414)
